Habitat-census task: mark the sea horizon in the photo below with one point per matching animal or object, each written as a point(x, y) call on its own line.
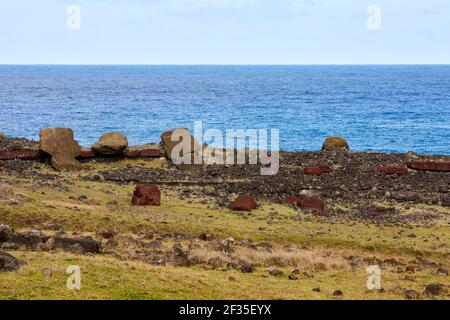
point(377, 108)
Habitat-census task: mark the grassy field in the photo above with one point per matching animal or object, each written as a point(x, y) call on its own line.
point(321, 246)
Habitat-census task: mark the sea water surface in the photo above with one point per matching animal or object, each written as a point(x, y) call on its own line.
point(376, 108)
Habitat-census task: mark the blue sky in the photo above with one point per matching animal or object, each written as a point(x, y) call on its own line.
point(224, 32)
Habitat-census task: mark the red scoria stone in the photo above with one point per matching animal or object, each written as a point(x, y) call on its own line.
point(150, 153)
point(86, 154)
point(309, 203)
point(392, 169)
point(131, 154)
point(292, 200)
point(312, 203)
point(243, 203)
point(429, 165)
point(146, 195)
point(317, 171)
point(21, 154)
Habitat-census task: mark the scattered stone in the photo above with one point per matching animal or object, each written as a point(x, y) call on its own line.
point(295, 271)
point(9, 263)
point(60, 144)
point(246, 267)
point(411, 295)
point(392, 170)
point(6, 233)
point(338, 293)
point(292, 277)
point(107, 234)
point(231, 279)
point(153, 244)
point(442, 271)
point(243, 203)
point(335, 143)
point(275, 272)
point(312, 203)
point(317, 171)
point(410, 269)
point(28, 238)
point(146, 195)
point(181, 256)
point(316, 289)
point(110, 144)
point(435, 289)
point(82, 245)
point(47, 272)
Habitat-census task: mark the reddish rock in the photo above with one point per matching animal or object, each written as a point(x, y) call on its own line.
point(309, 203)
point(21, 154)
point(131, 154)
point(87, 154)
point(146, 195)
point(243, 203)
point(392, 169)
point(429, 165)
point(150, 153)
point(312, 203)
point(292, 200)
point(317, 171)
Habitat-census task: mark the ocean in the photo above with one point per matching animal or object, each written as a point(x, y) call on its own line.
point(386, 108)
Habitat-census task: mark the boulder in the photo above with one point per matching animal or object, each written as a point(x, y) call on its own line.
point(243, 203)
point(312, 203)
point(60, 144)
point(435, 289)
point(246, 267)
point(110, 144)
point(308, 203)
point(30, 238)
point(335, 143)
point(411, 295)
point(146, 195)
point(171, 139)
point(83, 245)
point(6, 233)
point(9, 263)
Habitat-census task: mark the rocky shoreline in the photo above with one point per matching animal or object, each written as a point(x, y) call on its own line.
point(324, 177)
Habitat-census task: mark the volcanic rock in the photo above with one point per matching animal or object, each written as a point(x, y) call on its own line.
point(110, 144)
point(435, 289)
point(176, 153)
point(9, 263)
point(6, 233)
point(146, 195)
point(317, 171)
point(335, 143)
point(243, 203)
point(392, 169)
point(429, 165)
point(60, 144)
point(84, 245)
